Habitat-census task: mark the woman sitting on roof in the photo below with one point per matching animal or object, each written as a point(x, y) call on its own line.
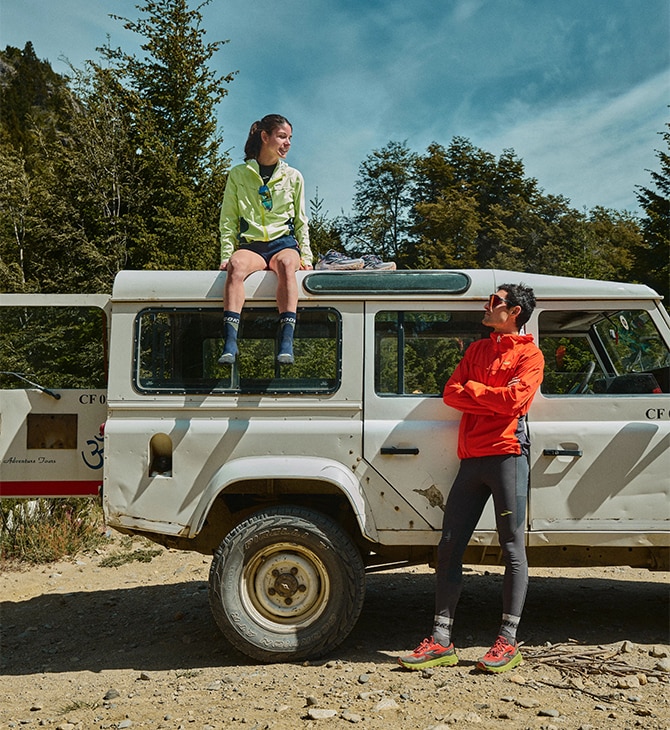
point(263, 213)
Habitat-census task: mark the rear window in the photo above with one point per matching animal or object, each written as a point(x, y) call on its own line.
point(55, 347)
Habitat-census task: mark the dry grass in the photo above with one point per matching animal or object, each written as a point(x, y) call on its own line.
point(135, 556)
point(45, 530)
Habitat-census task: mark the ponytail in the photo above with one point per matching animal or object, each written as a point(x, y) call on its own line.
point(268, 123)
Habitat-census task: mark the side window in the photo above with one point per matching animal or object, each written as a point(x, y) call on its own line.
point(177, 351)
point(53, 347)
point(603, 352)
point(416, 352)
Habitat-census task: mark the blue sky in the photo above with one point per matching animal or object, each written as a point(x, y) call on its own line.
point(578, 88)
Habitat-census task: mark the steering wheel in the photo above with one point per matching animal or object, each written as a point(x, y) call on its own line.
point(579, 386)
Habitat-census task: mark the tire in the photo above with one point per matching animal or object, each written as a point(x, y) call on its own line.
point(287, 583)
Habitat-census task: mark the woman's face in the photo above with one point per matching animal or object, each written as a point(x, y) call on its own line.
point(277, 143)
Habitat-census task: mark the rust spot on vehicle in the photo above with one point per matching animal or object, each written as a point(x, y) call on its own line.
point(433, 495)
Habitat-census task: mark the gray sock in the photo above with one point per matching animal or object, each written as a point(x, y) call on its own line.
point(442, 629)
point(509, 626)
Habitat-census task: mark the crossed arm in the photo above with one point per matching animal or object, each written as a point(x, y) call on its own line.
point(471, 396)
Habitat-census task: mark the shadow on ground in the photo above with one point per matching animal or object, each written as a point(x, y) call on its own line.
point(170, 626)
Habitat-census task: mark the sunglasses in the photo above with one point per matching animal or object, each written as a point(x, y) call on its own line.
point(496, 301)
point(266, 197)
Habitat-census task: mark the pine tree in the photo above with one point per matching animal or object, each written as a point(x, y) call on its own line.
point(169, 96)
point(380, 223)
point(653, 261)
point(35, 113)
point(324, 232)
point(32, 95)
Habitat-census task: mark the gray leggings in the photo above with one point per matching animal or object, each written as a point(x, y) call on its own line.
point(506, 478)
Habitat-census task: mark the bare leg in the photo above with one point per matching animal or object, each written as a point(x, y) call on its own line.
point(240, 265)
point(285, 264)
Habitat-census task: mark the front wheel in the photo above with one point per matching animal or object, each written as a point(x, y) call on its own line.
point(287, 583)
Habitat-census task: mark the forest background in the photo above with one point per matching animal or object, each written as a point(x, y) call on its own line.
point(120, 165)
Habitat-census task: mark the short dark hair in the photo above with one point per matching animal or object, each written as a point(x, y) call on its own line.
point(519, 295)
point(268, 123)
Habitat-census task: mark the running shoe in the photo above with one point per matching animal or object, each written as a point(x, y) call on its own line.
point(372, 261)
point(339, 261)
point(501, 656)
point(429, 654)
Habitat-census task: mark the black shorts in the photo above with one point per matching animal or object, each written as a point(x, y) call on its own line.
point(267, 249)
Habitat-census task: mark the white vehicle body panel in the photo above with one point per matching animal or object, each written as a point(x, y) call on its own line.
point(50, 441)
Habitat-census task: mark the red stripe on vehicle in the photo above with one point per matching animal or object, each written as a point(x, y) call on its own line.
point(49, 489)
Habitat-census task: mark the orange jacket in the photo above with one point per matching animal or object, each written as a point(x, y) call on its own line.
point(492, 423)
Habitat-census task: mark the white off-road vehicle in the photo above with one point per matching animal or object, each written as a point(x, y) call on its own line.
point(300, 478)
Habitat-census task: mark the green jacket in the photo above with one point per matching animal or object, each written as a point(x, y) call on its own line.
point(244, 218)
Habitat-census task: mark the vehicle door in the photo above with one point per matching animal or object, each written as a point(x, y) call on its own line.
point(410, 435)
point(600, 427)
point(52, 394)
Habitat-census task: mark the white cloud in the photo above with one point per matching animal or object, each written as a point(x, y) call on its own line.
point(594, 150)
point(465, 9)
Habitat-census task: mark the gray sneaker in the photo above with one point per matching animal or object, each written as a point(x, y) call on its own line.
point(334, 260)
point(372, 261)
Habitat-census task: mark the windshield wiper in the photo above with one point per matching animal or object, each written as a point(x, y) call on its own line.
point(30, 382)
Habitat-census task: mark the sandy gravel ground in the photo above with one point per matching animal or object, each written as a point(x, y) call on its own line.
point(135, 646)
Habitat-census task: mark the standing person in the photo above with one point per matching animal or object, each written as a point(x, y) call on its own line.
point(263, 214)
point(493, 387)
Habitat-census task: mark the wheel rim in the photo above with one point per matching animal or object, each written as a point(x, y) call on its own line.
point(285, 587)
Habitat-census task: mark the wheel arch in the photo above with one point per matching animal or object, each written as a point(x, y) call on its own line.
point(273, 477)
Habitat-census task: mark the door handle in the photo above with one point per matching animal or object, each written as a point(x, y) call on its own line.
point(563, 452)
point(399, 450)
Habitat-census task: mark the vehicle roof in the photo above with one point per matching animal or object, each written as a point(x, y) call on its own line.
point(475, 284)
